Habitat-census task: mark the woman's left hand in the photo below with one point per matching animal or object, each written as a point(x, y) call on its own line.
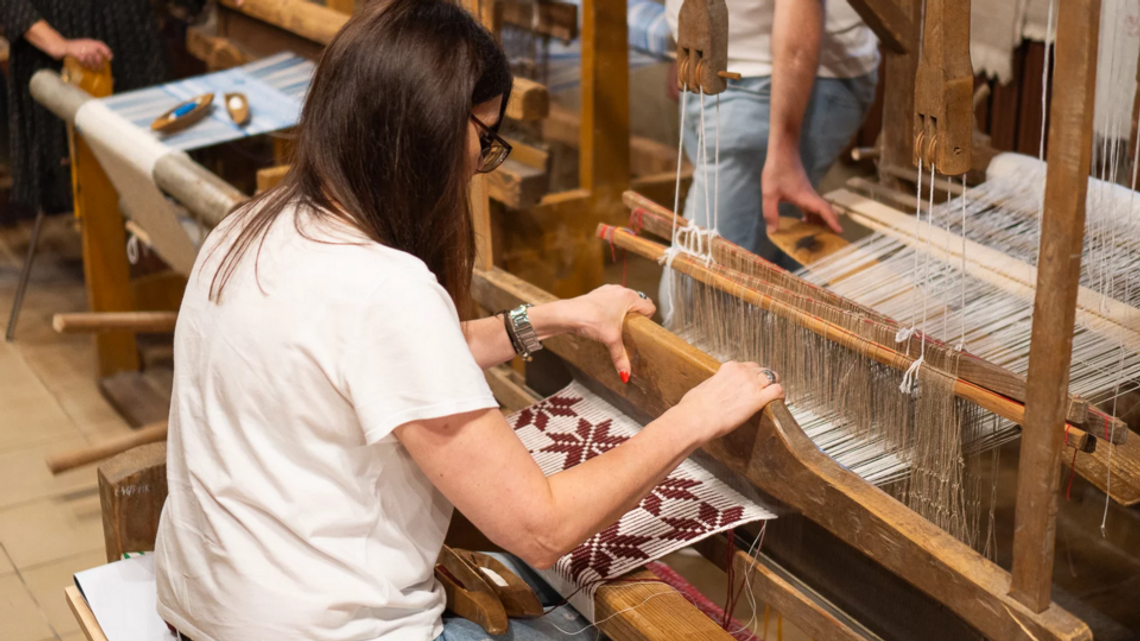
point(599, 316)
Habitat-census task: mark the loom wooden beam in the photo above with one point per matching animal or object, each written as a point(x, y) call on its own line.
point(646, 156)
point(889, 21)
point(944, 89)
point(259, 28)
point(651, 611)
point(554, 19)
point(217, 53)
point(517, 185)
point(1054, 310)
point(897, 140)
point(772, 452)
point(776, 587)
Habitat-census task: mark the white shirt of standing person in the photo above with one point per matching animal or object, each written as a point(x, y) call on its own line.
point(294, 513)
point(848, 48)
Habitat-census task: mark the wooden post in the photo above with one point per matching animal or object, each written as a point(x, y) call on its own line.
point(105, 268)
point(132, 491)
point(1054, 309)
point(898, 103)
point(603, 151)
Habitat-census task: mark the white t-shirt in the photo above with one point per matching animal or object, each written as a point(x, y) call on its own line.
point(294, 513)
point(848, 48)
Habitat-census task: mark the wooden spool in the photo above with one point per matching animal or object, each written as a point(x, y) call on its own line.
point(183, 115)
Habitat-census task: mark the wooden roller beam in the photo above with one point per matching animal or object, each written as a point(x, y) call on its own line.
point(895, 29)
point(102, 322)
point(772, 452)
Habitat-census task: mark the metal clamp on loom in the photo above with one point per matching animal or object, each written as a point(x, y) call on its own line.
point(702, 47)
point(944, 90)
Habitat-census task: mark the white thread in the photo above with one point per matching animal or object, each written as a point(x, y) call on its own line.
point(909, 381)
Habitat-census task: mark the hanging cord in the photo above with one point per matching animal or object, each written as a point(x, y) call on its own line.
point(961, 347)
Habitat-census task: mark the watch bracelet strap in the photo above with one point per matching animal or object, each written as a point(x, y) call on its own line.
point(509, 326)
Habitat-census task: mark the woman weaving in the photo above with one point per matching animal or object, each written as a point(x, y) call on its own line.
point(329, 405)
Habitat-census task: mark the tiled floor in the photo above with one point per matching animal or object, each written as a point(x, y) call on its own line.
point(50, 527)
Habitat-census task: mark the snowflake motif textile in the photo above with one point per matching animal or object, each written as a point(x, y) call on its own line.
point(572, 427)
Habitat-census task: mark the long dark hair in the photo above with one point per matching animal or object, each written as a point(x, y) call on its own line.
point(382, 141)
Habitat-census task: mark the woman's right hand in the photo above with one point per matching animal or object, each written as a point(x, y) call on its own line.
point(729, 398)
point(90, 53)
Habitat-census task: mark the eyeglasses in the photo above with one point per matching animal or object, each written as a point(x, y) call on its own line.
point(493, 148)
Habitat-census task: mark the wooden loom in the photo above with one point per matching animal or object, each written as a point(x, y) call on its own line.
point(772, 453)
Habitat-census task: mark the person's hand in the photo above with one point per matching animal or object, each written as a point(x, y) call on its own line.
point(784, 180)
point(599, 316)
point(731, 396)
point(90, 53)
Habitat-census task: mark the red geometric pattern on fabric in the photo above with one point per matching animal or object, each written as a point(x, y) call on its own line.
point(540, 414)
point(671, 488)
point(574, 426)
point(599, 553)
point(708, 518)
point(585, 442)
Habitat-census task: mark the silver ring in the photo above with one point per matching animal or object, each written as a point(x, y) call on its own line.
point(642, 294)
point(772, 378)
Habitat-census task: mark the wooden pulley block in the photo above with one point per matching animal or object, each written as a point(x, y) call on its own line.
point(702, 46)
point(944, 90)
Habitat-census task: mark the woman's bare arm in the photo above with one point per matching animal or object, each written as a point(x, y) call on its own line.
point(479, 464)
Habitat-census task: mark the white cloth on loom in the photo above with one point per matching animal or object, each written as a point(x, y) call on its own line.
point(849, 49)
point(128, 155)
point(294, 513)
point(998, 27)
point(575, 425)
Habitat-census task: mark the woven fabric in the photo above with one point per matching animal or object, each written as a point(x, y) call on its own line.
point(574, 426)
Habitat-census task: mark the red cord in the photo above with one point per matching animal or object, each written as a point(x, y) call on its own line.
point(1072, 470)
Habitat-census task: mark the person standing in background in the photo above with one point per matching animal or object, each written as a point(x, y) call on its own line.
point(809, 76)
point(42, 33)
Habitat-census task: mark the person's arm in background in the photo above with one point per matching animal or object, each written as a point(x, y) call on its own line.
point(796, 33)
point(20, 19)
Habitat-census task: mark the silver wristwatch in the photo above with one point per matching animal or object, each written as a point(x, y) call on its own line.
point(522, 333)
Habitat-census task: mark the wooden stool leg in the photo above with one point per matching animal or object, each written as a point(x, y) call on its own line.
point(25, 274)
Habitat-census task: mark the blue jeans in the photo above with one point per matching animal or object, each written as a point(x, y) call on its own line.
point(563, 624)
point(834, 114)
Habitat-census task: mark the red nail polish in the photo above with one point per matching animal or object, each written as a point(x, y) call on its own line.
point(624, 377)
